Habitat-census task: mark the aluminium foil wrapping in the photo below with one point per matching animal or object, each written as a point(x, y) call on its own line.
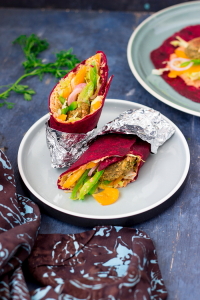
point(147, 123)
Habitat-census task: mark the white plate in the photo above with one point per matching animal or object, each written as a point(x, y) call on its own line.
point(149, 35)
point(159, 178)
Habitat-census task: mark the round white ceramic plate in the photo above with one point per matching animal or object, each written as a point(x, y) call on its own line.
point(159, 178)
point(149, 35)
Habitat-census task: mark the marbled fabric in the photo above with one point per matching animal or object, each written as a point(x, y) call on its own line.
point(108, 262)
point(19, 223)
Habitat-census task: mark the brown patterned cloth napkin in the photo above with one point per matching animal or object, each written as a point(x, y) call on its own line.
point(108, 262)
point(19, 223)
point(105, 263)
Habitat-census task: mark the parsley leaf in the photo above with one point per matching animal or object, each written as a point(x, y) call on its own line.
point(32, 46)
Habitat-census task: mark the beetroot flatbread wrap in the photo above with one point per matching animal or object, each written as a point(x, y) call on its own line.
point(76, 102)
point(111, 161)
point(186, 82)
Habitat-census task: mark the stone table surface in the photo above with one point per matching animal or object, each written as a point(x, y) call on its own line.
point(175, 232)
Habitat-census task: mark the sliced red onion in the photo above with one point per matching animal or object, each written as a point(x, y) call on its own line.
point(180, 59)
point(92, 170)
point(78, 88)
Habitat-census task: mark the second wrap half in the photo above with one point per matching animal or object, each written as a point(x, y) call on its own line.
point(111, 160)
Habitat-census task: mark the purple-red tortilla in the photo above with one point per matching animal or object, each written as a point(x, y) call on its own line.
point(109, 161)
point(161, 54)
point(90, 121)
point(113, 147)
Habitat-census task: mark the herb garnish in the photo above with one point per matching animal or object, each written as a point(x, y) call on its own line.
point(194, 61)
point(32, 46)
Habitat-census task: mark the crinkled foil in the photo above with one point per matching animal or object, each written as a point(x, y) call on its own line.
point(146, 123)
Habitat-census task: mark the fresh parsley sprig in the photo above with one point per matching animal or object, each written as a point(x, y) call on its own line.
point(32, 46)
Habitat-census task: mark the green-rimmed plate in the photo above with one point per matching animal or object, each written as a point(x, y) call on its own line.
point(148, 36)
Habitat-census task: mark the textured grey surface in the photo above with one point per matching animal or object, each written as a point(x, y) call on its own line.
point(175, 232)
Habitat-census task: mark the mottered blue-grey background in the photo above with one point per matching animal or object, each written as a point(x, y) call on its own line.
point(88, 26)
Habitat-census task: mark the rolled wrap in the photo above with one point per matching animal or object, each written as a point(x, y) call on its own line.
point(107, 150)
point(162, 53)
point(73, 80)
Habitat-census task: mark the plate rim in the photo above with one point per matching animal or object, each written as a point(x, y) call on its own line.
point(121, 216)
point(134, 71)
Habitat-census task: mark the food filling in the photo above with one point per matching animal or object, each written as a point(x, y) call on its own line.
point(76, 96)
point(184, 62)
point(108, 175)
